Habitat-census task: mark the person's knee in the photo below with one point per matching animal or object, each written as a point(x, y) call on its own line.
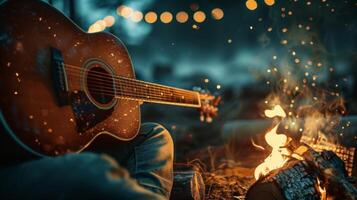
point(156, 152)
point(155, 131)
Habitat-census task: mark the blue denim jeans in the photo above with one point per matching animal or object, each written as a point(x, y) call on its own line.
point(139, 169)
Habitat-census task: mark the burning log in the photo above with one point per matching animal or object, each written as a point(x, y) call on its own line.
point(292, 181)
point(344, 153)
point(312, 175)
point(295, 168)
point(331, 170)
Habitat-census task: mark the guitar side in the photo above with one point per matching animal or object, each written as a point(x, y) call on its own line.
point(29, 108)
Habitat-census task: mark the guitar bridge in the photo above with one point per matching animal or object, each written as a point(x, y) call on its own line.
point(59, 77)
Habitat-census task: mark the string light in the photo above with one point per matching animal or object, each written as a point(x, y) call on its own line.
point(151, 17)
point(109, 21)
point(269, 2)
point(199, 16)
point(181, 17)
point(137, 16)
point(251, 4)
point(217, 14)
point(166, 17)
point(124, 11)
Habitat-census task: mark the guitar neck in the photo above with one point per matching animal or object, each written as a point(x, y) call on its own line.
point(127, 88)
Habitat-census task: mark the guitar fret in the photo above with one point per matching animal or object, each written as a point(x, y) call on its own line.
point(144, 91)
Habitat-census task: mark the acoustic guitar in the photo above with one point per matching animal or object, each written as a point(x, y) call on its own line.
point(62, 87)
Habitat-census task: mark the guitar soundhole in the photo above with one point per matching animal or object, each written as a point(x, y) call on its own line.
point(100, 86)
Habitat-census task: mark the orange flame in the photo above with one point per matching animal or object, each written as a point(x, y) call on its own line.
point(277, 157)
point(322, 190)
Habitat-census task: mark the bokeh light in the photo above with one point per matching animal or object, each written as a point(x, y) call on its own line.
point(124, 11)
point(151, 17)
point(217, 14)
point(119, 9)
point(137, 16)
point(199, 16)
point(96, 27)
point(166, 17)
point(101, 23)
point(182, 17)
point(109, 21)
point(251, 4)
point(269, 2)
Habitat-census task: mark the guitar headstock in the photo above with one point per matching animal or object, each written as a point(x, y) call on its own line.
point(209, 105)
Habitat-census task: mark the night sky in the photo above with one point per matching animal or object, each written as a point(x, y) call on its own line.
point(232, 49)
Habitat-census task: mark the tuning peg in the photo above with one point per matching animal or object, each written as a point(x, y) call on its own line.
point(217, 100)
point(202, 117)
point(208, 118)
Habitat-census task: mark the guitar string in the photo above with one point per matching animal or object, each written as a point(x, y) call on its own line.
point(137, 83)
point(110, 91)
point(125, 78)
point(188, 98)
point(139, 90)
point(152, 88)
point(188, 94)
point(142, 97)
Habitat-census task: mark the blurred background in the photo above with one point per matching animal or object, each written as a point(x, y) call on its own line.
point(301, 52)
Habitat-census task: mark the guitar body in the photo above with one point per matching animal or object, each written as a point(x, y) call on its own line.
point(49, 111)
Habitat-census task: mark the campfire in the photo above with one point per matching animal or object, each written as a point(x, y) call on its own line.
point(302, 166)
point(306, 168)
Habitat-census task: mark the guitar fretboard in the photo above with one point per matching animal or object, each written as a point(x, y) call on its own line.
point(155, 93)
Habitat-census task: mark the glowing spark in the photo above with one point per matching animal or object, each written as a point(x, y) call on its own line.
point(196, 27)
